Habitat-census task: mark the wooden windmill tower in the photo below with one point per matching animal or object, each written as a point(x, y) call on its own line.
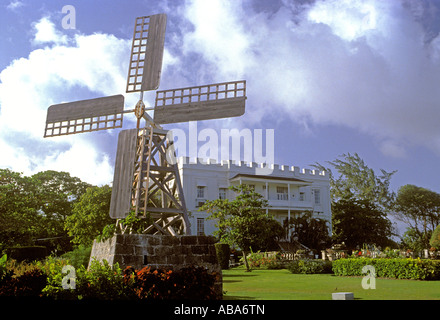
point(143, 167)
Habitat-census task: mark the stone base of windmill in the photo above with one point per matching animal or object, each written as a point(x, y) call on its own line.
point(159, 251)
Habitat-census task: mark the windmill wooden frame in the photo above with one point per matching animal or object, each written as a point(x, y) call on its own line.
point(145, 181)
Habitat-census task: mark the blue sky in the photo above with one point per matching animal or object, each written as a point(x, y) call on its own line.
point(330, 77)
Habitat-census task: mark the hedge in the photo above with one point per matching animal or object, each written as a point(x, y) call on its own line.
point(30, 253)
point(223, 253)
point(416, 269)
point(308, 266)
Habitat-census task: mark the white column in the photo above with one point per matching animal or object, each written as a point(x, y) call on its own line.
point(267, 192)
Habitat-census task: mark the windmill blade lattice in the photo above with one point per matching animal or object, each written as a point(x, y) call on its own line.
point(145, 181)
point(146, 53)
point(84, 116)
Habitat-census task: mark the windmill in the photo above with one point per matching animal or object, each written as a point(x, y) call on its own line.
point(143, 169)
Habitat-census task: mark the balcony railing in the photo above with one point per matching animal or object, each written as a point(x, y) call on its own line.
point(290, 203)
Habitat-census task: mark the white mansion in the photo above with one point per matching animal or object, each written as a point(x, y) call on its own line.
point(289, 190)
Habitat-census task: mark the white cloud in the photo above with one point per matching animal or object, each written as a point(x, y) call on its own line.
point(365, 66)
point(361, 64)
point(81, 160)
point(91, 64)
point(45, 32)
point(347, 19)
point(218, 34)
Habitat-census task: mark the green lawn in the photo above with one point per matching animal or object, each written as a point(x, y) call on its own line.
point(283, 285)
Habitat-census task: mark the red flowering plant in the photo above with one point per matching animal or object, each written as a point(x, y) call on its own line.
point(186, 283)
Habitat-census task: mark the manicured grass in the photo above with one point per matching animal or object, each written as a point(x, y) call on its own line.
point(283, 285)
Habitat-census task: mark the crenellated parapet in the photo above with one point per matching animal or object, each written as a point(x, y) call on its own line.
point(256, 168)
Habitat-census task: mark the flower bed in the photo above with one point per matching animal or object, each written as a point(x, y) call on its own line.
point(105, 282)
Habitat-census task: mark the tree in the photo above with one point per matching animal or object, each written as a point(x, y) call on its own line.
point(19, 218)
point(36, 207)
point(309, 231)
point(412, 240)
point(57, 193)
point(357, 180)
point(358, 188)
point(358, 221)
point(420, 209)
point(90, 214)
point(243, 222)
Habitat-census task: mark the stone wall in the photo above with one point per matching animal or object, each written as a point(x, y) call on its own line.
point(156, 251)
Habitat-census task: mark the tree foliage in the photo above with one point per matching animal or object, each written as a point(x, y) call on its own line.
point(361, 200)
point(90, 214)
point(435, 238)
point(356, 180)
point(33, 207)
point(358, 221)
point(420, 209)
point(57, 193)
point(242, 222)
point(19, 216)
point(309, 231)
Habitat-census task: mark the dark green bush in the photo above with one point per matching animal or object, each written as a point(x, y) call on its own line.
point(416, 269)
point(308, 266)
point(223, 254)
point(30, 253)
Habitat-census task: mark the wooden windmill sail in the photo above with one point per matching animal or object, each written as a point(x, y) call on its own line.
point(143, 172)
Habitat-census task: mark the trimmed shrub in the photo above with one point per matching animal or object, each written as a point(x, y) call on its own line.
point(223, 252)
point(308, 266)
point(30, 253)
point(416, 269)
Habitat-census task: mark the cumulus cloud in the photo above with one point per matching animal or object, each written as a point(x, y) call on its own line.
point(369, 65)
point(361, 64)
point(45, 32)
point(59, 70)
point(219, 35)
